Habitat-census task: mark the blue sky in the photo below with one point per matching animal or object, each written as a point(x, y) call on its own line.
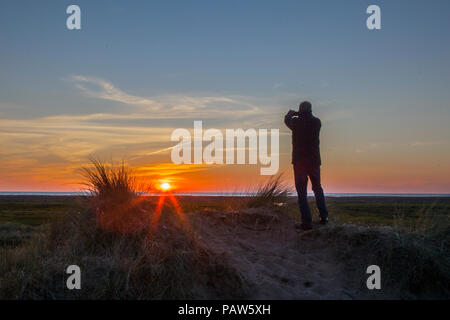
point(382, 95)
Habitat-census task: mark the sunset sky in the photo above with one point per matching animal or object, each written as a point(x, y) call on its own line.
point(137, 70)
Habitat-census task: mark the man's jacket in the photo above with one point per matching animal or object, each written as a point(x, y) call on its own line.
point(305, 138)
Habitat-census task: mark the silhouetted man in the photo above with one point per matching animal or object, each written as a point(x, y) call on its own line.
point(306, 161)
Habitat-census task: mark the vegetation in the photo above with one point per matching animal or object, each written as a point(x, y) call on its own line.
point(128, 248)
point(269, 193)
point(121, 257)
point(414, 264)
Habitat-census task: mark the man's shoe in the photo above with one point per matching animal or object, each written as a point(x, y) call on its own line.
point(302, 226)
point(323, 220)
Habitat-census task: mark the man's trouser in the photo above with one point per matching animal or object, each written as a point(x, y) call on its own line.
point(301, 174)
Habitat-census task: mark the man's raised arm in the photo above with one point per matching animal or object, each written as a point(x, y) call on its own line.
point(288, 118)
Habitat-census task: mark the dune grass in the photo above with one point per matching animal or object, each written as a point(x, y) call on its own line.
point(120, 253)
point(413, 254)
point(109, 182)
point(273, 191)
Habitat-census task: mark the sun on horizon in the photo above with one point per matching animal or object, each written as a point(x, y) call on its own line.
point(165, 186)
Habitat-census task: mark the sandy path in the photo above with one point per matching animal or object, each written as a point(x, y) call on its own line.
point(278, 261)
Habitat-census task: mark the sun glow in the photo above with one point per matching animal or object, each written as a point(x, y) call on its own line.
point(165, 186)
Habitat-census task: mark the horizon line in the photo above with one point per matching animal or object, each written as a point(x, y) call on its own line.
point(237, 194)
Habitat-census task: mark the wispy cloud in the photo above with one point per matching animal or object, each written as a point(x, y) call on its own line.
point(102, 89)
point(169, 169)
point(166, 106)
point(277, 85)
point(426, 143)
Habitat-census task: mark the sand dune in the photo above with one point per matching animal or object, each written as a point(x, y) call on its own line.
point(276, 260)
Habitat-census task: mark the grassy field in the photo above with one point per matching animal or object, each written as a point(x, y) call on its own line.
point(22, 216)
point(33, 211)
point(184, 258)
point(36, 210)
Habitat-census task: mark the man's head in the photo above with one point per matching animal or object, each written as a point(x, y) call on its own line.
point(305, 107)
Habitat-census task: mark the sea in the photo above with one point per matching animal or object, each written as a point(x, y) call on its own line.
point(234, 194)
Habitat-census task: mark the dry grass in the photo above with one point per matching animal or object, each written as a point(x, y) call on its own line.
point(414, 259)
point(120, 253)
point(109, 182)
point(274, 190)
point(123, 255)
